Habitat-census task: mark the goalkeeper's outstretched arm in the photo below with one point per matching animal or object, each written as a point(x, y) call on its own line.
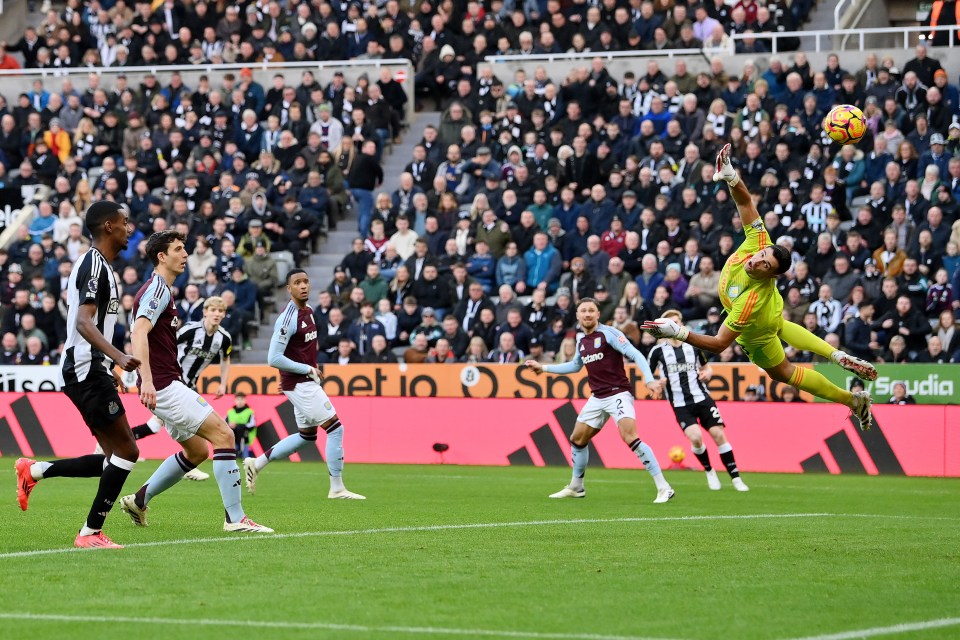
point(668, 328)
point(738, 190)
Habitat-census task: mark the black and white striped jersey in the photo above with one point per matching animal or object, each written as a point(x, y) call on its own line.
point(197, 349)
point(92, 281)
point(816, 215)
point(680, 366)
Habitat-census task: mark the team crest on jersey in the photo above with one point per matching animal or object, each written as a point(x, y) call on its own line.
point(733, 291)
point(597, 342)
point(113, 408)
point(93, 285)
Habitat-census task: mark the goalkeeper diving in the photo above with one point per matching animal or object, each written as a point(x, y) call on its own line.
point(754, 309)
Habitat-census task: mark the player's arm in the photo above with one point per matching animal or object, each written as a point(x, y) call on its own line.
point(283, 330)
point(738, 191)
point(669, 328)
point(152, 304)
point(89, 286)
point(567, 367)
point(225, 352)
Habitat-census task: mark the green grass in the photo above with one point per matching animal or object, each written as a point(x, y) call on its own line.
point(765, 577)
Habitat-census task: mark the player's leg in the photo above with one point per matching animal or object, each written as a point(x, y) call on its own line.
point(814, 382)
point(334, 456)
point(582, 434)
point(725, 449)
point(799, 338)
point(695, 436)
point(628, 432)
point(148, 428)
point(170, 472)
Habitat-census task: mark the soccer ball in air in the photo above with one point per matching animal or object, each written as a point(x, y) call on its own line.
point(845, 124)
point(677, 454)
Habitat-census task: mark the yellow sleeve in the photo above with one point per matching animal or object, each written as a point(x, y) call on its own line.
point(740, 315)
point(757, 238)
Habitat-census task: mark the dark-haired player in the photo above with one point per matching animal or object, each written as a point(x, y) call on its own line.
point(93, 300)
point(293, 350)
point(188, 418)
point(683, 371)
point(754, 308)
point(602, 349)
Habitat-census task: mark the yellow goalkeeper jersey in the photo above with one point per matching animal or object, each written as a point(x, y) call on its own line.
point(754, 307)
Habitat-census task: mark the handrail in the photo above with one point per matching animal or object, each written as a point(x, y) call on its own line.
point(207, 68)
point(838, 14)
point(862, 34)
point(586, 55)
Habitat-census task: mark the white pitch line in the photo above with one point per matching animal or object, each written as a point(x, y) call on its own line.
point(436, 527)
point(887, 631)
point(319, 626)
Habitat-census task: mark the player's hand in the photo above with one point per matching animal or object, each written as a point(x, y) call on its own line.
point(128, 363)
point(666, 328)
point(533, 364)
point(725, 170)
point(221, 389)
point(655, 387)
point(148, 395)
point(315, 375)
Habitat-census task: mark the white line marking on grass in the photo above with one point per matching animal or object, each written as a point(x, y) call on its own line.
point(435, 527)
point(318, 626)
point(887, 631)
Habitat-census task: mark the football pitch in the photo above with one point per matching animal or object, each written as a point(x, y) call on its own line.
point(475, 552)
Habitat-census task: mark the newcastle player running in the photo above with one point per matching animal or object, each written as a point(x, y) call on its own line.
point(188, 418)
point(602, 348)
point(293, 350)
point(93, 301)
point(684, 371)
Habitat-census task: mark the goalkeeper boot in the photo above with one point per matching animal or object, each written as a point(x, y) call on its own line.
point(856, 366)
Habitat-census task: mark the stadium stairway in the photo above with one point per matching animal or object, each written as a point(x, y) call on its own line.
point(338, 242)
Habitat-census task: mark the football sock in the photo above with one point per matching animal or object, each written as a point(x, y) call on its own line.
point(284, 449)
point(111, 483)
point(645, 454)
point(726, 454)
point(169, 473)
point(227, 473)
point(703, 457)
point(83, 467)
point(814, 382)
point(334, 455)
point(580, 455)
point(798, 337)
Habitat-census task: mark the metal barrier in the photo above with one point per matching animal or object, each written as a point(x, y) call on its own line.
point(910, 36)
point(352, 69)
point(604, 55)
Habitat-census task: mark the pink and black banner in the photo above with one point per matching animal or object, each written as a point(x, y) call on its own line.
point(768, 437)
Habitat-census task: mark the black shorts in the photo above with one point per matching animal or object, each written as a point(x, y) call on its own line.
point(705, 413)
point(97, 400)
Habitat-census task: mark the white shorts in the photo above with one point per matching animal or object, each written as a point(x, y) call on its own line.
point(182, 410)
point(311, 406)
point(597, 410)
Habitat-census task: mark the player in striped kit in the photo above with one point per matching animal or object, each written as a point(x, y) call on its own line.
point(188, 418)
point(684, 370)
point(602, 349)
point(93, 301)
point(199, 344)
point(293, 350)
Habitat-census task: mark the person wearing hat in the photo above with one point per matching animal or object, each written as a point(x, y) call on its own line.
point(936, 156)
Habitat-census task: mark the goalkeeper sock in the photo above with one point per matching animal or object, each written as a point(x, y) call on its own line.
point(814, 382)
point(645, 454)
point(580, 456)
point(799, 338)
point(703, 457)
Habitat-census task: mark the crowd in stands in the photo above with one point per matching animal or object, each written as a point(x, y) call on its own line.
point(531, 194)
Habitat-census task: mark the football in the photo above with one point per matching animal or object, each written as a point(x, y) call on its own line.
point(677, 454)
point(845, 124)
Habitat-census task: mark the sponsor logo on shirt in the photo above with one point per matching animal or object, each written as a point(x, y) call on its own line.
point(594, 357)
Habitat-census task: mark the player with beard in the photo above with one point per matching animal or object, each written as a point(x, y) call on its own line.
point(602, 349)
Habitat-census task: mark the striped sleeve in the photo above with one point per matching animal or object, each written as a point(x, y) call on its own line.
point(226, 344)
point(156, 298)
point(742, 311)
point(91, 277)
point(617, 340)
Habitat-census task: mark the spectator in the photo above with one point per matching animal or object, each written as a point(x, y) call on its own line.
point(418, 351)
point(506, 351)
point(904, 322)
point(379, 352)
point(900, 395)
